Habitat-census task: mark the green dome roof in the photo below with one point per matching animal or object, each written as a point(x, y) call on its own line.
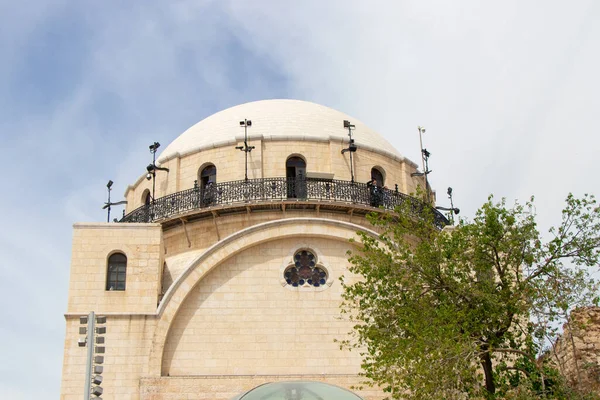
point(299, 390)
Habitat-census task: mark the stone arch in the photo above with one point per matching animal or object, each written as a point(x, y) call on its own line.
point(225, 249)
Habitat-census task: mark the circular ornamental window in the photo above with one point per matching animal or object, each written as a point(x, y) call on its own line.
point(305, 271)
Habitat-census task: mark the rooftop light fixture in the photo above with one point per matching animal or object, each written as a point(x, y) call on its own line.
point(108, 204)
point(246, 123)
point(453, 210)
point(152, 168)
point(351, 146)
point(424, 160)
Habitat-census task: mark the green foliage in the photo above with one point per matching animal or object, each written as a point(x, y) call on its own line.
point(464, 313)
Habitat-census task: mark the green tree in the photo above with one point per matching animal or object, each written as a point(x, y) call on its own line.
point(466, 312)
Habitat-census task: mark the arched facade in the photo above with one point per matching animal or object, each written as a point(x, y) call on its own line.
point(233, 283)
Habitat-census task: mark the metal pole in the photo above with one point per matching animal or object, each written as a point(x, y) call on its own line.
point(451, 205)
point(351, 162)
point(153, 174)
point(108, 217)
point(246, 146)
point(421, 130)
point(91, 328)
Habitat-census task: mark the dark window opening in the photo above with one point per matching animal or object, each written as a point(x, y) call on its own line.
point(116, 272)
point(208, 175)
point(295, 172)
point(377, 176)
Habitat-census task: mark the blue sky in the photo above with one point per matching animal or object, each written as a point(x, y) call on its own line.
point(508, 92)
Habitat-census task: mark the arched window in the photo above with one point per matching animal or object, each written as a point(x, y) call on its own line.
point(378, 176)
point(116, 272)
point(146, 197)
point(295, 172)
point(208, 174)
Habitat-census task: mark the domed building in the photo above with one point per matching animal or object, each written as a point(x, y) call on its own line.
point(223, 275)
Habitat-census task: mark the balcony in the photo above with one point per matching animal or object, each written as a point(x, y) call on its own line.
point(278, 192)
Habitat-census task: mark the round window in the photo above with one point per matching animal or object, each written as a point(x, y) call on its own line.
point(304, 271)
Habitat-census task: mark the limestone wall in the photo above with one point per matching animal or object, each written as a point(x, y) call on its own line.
point(578, 350)
point(92, 245)
point(229, 324)
point(241, 320)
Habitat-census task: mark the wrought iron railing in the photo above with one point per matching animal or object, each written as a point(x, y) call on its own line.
point(279, 189)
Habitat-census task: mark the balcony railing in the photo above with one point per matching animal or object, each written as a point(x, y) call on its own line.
point(279, 189)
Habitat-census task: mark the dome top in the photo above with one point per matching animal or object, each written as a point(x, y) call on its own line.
point(298, 390)
point(275, 120)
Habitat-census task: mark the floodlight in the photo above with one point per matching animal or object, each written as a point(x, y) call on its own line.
point(97, 380)
point(109, 184)
point(97, 391)
point(101, 320)
point(246, 123)
point(352, 146)
point(451, 209)
point(426, 153)
point(347, 124)
point(449, 191)
point(150, 168)
point(153, 147)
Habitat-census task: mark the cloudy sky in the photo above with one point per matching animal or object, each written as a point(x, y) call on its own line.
point(508, 92)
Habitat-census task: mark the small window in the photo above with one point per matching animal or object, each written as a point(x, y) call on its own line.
point(208, 174)
point(116, 272)
point(377, 175)
point(305, 271)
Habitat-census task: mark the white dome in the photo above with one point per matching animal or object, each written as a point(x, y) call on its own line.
point(275, 120)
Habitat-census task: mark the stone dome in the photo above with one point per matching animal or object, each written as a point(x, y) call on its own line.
point(274, 120)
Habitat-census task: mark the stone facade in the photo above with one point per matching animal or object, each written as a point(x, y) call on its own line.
point(577, 352)
point(207, 312)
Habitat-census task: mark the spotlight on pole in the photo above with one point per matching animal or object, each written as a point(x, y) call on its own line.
point(351, 146)
point(425, 161)
point(452, 210)
point(246, 123)
point(152, 168)
point(108, 204)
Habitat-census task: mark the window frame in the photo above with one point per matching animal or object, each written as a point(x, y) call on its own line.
point(120, 271)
